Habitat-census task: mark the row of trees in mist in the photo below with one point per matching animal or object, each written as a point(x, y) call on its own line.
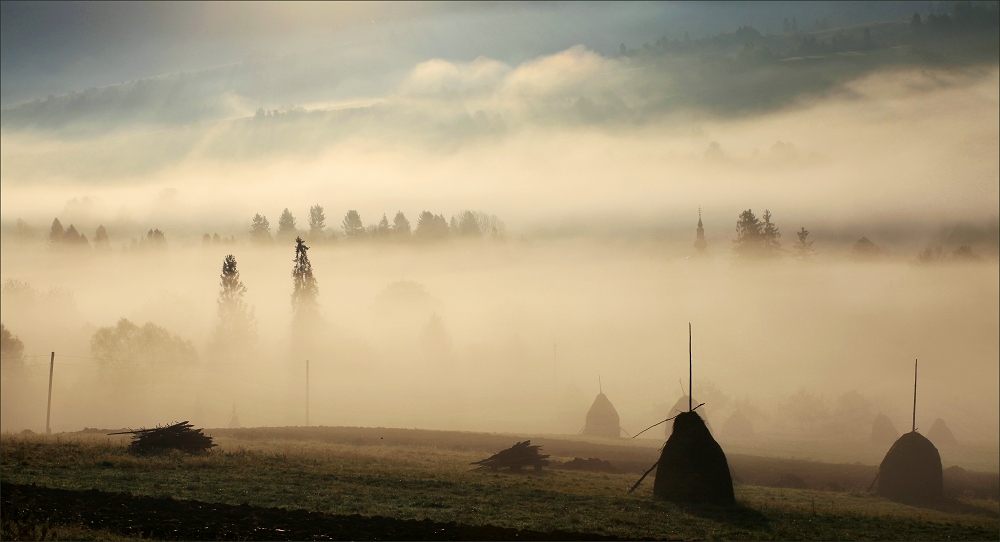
point(59, 237)
point(429, 227)
point(818, 38)
point(759, 238)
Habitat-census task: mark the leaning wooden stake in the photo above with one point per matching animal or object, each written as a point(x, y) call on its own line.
point(644, 475)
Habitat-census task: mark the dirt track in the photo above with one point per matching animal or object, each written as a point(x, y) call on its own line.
point(170, 519)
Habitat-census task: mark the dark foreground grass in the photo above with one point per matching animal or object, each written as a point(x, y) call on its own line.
point(413, 482)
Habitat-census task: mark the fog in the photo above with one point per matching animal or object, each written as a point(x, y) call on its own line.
point(598, 167)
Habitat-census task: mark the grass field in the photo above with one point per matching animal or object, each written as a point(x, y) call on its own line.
point(424, 477)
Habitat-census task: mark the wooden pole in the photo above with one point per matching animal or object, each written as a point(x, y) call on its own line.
point(48, 410)
point(307, 393)
point(914, 395)
point(690, 370)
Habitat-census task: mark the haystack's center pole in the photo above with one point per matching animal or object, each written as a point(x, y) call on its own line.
point(914, 395)
point(690, 370)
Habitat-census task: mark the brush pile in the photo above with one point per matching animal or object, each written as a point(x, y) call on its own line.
point(515, 458)
point(178, 436)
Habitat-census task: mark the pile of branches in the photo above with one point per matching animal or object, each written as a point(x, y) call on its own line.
point(518, 456)
point(178, 436)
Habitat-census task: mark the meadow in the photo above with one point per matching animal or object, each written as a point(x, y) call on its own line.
point(421, 475)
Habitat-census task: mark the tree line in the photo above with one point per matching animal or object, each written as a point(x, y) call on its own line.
point(429, 227)
point(760, 239)
point(70, 237)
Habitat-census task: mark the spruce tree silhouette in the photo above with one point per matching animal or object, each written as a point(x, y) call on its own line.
point(305, 290)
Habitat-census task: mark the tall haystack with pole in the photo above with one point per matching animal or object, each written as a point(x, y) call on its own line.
point(911, 471)
point(602, 418)
point(692, 466)
point(884, 433)
point(234, 419)
point(941, 436)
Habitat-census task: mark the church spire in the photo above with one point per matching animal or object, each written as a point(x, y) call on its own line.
point(699, 243)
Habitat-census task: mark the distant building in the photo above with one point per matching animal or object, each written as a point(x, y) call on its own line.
point(699, 242)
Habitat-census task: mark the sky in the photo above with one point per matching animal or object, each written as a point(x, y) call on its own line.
point(58, 47)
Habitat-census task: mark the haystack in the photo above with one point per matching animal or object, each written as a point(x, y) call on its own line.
point(693, 467)
point(911, 472)
point(883, 431)
point(682, 405)
point(602, 419)
point(234, 419)
point(941, 436)
point(737, 426)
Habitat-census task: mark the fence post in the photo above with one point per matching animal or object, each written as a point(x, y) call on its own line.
point(307, 393)
point(48, 410)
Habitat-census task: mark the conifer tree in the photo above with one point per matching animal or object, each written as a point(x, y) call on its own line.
point(353, 228)
point(101, 240)
point(237, 322)
point(401, 226)
point(803, 248)
point(260, 229)
point(770, 245)
point(305, 290)
point(748, 234)
point(56, 233)
point(286, 225)
point(756, 238)
point(317, 222)
point(383, 230)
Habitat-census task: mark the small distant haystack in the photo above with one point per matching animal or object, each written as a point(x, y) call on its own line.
point(911, 471)
point(941, 436)
point(234, 419)
point(738, 426)
point(682, 405)
point(693, 467)
point(883, 431)
point(602, 419)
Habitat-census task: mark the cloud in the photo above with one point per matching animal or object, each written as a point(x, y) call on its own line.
point(567, 74)
point(437, 75)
